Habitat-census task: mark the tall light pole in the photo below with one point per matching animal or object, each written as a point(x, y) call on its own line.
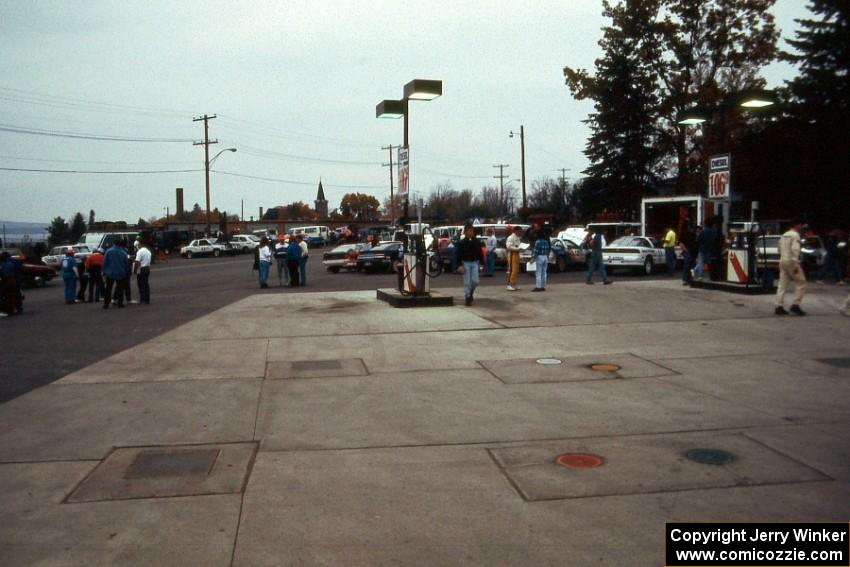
point(167, 211)
point(522, 156)
point(417, 89)
point(752, 99)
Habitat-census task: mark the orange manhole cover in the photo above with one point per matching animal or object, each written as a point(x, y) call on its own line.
point(604, 367)
point(580, 460)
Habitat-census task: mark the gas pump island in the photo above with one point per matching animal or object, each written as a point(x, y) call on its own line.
point(418, 264)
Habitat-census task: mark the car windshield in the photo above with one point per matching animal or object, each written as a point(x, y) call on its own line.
point(630, 241)
point(386, 247)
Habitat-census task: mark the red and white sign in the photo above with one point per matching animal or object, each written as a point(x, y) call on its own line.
point(403, 169)
point(719, 177)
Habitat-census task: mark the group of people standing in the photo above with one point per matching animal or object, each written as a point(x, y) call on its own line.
point(290, 256)
point(106, 275)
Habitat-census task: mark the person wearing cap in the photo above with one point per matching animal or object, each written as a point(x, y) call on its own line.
point(513, 245)
point(293, 259)
point(790, 270)
point(469, 252)
point(93, 265)
point(68, 267)
point(116, 272)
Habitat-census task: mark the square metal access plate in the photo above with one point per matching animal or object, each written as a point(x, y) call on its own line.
point(158, 472)
point(161, 463)
point(332, 368)
point(645, 464)
point(573, 368)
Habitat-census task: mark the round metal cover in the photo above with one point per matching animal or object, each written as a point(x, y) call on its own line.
point(604, 367)
point(710, 456)
point(549, 361)
point(579, 460)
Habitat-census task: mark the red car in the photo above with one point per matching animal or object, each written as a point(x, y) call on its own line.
point(35, 274)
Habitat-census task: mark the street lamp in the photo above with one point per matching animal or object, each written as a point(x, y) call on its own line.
point(750, 99)
point(522, 156)
point(208, 165)
point(417, 89)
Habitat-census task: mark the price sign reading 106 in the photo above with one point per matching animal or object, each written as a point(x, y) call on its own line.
point(718, 177)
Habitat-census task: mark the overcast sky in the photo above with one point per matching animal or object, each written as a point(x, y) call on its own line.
point(294, 85)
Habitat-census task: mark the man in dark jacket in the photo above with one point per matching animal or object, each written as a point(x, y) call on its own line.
point(115, 270)
point(470, 256)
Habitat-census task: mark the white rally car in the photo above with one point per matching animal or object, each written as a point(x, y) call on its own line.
point(203, 247)
point(640, 253)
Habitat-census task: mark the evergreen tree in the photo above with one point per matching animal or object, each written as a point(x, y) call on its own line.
point(78, 227)
point(624, 91)
point(58, 232)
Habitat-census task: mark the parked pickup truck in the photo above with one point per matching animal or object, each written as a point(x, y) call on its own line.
point(204, 247)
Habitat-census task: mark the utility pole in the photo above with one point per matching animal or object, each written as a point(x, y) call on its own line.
point(564, 171)
point(206, 143)
point(501, 178)
point(392, 197)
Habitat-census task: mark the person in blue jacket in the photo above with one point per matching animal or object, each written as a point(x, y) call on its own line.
point(68, 267)
point(293, 260)
point(115, 271)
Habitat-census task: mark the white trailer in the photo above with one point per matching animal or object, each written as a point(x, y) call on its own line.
point(657, 214)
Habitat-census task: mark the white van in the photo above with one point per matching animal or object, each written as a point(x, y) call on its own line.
point(104, 240)
point(313, 235)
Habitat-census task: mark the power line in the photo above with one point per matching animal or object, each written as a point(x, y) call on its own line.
point(293, 182)
point(30, 97)
point(85, 136)
point(20, 158)
point(89, 172)
point(259, 152)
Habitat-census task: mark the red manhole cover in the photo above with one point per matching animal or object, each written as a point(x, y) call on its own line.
point(580, 460)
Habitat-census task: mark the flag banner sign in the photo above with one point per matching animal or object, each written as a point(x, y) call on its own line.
point(403, 169)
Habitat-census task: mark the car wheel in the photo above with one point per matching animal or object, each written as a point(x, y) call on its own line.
point(647, 267)
point(334, 269)
point(189, 255)
point(167, 252)
point(561, 264)
point(216, 252)
point(245, 249)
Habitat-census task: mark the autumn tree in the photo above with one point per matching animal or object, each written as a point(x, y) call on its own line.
point(359, 206)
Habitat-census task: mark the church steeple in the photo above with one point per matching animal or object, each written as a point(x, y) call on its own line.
point(321, 203)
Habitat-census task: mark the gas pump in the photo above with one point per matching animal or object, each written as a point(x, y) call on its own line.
point(741, 264)
point(417, 266)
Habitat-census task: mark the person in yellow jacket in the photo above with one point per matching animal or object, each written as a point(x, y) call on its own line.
point(513, 247)
point(670, 251)
point(790, 270)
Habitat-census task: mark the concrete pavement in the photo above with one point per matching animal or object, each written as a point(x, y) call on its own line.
point(332, 429)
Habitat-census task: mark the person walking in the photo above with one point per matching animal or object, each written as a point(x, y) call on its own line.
point(84, 277)
point(280, 261)
point(670, 251)
point(596, 242)
point(790, 270)
point(265, 262)
point(93, 266)
point(115, 271)
point(142, 269)
point(514, 248)
point(305, 255)
point(68, 267)
point(293, 260)
point(490, 244)
point(470, 253)
point(540, 252)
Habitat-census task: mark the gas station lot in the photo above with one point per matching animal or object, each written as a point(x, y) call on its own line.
point(557, 428)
